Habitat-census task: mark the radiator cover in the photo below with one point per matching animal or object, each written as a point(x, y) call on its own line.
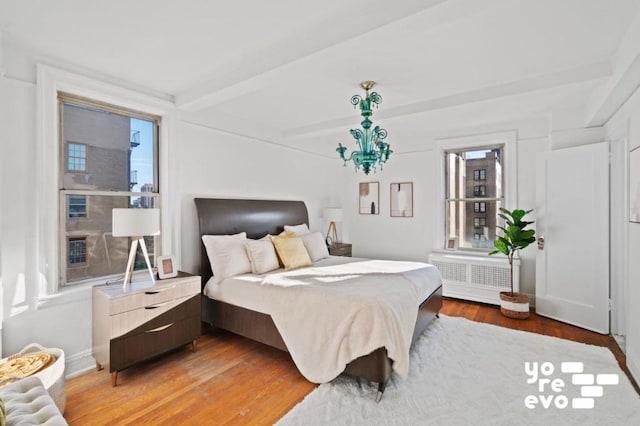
point(476, 278)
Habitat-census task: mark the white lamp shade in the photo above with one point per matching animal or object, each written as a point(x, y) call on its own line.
point(135, 222)
point(332, 214)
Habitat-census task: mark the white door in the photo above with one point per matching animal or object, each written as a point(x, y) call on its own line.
point(572, 226)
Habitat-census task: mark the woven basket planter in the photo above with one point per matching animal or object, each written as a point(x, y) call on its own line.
point(52, 376)
point(514, 305)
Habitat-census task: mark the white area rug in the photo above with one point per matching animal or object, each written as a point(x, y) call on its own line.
point(463, 372)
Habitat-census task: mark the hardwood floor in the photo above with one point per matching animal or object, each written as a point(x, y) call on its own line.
point(232, 380)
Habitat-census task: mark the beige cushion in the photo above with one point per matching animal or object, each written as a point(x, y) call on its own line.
point(227, 255)
point(291, 252)
point(316, 246)
point(262, 255)
point(301, 229)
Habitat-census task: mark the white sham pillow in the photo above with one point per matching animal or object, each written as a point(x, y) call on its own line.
point(227, 255)
point(315, 245)
point(262, 255)
point(299, 230)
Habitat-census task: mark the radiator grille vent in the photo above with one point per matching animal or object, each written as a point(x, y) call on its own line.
point(475, 277)
point(452, 271)
point(490, 276)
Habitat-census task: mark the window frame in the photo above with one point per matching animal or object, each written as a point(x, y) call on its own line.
point(51, 81)
point(81, 102)
point(508, 140)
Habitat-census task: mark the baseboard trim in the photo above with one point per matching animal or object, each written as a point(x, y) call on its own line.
point(634, 368)
point(79, 363)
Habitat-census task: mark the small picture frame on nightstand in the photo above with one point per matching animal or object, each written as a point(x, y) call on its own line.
point(166, 267)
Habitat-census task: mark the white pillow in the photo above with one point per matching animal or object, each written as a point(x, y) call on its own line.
point(315, 245)
point(262, 255)
point(227, 254)
point(299, 230)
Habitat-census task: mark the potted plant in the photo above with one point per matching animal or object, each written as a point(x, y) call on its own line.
point(515, 237)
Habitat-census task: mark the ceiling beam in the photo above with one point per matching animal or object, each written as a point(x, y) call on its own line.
point(624, 81)
point(258, 68)
point(560, 78)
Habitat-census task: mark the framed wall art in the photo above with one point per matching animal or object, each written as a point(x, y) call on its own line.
point(401, 199)
point(369, 198)
point(634, 185)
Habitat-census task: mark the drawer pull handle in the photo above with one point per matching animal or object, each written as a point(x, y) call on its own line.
point(160, 290)
point(156, 306)
point(155, 330)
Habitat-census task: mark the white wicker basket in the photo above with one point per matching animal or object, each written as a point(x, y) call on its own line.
point(52, 377)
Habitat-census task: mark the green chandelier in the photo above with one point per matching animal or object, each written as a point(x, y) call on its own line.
point(372, 148)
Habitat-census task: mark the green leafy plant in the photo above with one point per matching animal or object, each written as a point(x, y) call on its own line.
point(515, 236)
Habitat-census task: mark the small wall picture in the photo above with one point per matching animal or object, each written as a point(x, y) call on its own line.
point(452, 243)
point(634, 185)
point(369, 198)
point(166, 267)
point(401, 199)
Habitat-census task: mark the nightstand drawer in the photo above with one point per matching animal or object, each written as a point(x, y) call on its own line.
point(132, 348)
point(155, 295)
point(126, 321)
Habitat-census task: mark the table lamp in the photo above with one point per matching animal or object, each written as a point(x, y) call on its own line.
point(136, 223)
point(332, 215)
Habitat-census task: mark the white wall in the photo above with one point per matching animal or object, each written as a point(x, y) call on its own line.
point(625, 126)
point(213, 164)
point(381, 236)
point(415, 238)
point(201, 162)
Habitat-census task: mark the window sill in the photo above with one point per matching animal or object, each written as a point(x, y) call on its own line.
point(74, 293)
point(463, 252)
point(471, 253)
point(65, 295)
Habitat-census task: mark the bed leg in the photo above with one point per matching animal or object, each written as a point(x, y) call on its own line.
point(381, 387)
point(438, 315)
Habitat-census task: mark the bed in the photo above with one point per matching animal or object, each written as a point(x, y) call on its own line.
point(261, 217)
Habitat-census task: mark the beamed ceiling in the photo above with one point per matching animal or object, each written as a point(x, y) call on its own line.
point(284, 70)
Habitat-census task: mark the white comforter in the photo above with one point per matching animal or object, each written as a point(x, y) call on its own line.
point(331, 315)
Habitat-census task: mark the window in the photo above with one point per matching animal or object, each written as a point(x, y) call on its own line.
point(77, 252)
point(76, 157)
point(479, 207)
point(479, 190)
point(479, 222)
point(109, 159)
point(76, 207)
point(480, 174)
point(464, 168)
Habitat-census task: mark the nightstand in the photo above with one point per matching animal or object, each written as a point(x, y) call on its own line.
point(144, 319)
point(340, 249)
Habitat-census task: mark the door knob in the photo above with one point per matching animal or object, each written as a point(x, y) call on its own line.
point(541, 243)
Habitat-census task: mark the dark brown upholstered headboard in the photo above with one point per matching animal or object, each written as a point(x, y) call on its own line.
point(224, 216)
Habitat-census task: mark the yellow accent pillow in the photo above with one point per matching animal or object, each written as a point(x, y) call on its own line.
point(283, 234)
point(291, 251)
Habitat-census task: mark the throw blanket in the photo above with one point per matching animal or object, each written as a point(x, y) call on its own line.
point(329, 316)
